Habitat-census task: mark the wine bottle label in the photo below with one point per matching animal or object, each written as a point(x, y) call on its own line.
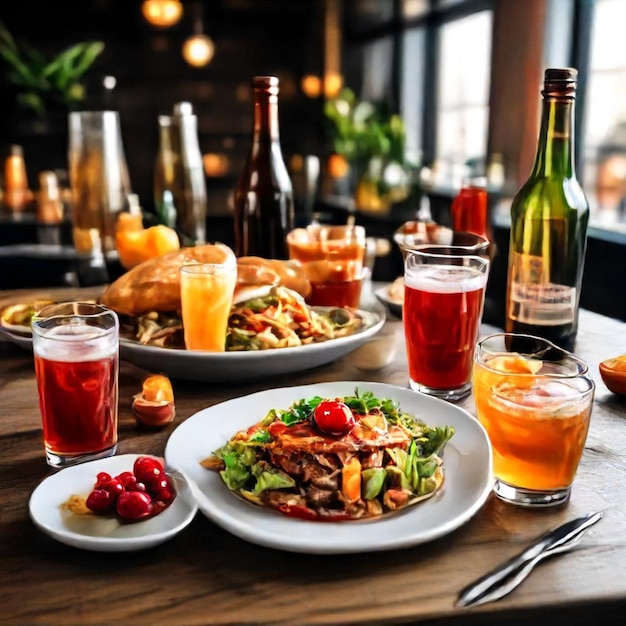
point(534, 299)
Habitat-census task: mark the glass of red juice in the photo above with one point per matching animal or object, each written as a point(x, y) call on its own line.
point(333, 259)
point(76, 351)
point(444, 295)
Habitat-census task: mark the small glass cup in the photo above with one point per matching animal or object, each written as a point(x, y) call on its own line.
point(535, 402)
point(76, 350)
point(206, 295)
point(333, 259)
point(414, 235)
point(444, 295)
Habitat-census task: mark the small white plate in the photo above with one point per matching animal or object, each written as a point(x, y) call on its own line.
point(394, 306)
point(99, 533)
point(467, 467)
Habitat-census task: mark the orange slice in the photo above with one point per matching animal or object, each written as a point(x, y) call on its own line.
point(513, 364)
point(613, 372)
point(137, 246)
point(158, 388)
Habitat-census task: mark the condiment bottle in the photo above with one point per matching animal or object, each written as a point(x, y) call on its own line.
point(189, 190)
point(549, 217)
point(49, 201)
point(16, 194)
point(263, 199)
point(469, 208)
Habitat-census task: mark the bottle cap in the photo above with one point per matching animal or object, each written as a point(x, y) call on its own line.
point(183, 108)
point(266, 83)
point(560, 81)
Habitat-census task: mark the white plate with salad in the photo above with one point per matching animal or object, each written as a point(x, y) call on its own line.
point(467, 465)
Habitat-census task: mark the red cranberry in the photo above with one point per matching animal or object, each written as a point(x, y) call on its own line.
point(100, 501)
point(114, 487)
point(101, 478)
point(134, 505)
point(126, 478)
point(147, 468)
point(162, 489)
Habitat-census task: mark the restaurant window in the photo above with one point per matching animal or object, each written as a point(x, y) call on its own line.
point(412, 94)
point(462, 108)
point(604, 155)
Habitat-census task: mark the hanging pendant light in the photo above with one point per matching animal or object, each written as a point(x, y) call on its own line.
point(198, 49)
point(162, 13)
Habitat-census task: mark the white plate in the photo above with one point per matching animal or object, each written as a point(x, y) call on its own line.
point(233, 367)
point(394, 306)
point(21, 339)
point(467, 467)
point(104, 534)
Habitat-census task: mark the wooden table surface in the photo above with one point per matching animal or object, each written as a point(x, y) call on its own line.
point(207, 576)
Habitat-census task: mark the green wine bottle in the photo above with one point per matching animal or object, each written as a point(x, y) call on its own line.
point(549, 217)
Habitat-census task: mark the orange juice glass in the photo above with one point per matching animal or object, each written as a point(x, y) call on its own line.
point(332, 258)
point(206, 293)
point(535, 405)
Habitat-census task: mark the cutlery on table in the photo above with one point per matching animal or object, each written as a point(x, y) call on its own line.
point(506, 577)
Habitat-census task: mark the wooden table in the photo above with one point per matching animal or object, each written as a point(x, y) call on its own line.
point(207, 576)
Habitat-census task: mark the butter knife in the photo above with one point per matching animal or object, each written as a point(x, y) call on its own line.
point(503, 579)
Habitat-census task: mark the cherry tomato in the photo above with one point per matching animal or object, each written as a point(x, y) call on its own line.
point(334, 417)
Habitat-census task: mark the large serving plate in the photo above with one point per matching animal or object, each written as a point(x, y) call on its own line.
point(467, 465)
point(234, 367)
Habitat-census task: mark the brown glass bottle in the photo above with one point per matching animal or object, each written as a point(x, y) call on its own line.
point(263, 202)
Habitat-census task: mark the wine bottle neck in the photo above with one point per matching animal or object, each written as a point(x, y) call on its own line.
point(555, 149)
point(266, 127)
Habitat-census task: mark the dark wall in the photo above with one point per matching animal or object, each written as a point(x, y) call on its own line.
point(280, 37)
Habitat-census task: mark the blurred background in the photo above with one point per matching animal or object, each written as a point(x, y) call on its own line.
point(439, 90)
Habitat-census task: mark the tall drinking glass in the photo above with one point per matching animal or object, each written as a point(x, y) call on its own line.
point(99, 182)
point(444, 294)
point(206, 295)
point(76, 349)
point(535, 404)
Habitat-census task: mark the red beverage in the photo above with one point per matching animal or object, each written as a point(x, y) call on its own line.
point(78, 403)
point(469, 211)
point(442, 311)
point(340, 294)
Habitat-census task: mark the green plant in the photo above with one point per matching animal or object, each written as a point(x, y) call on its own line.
point(42, 81)
point(363, 131)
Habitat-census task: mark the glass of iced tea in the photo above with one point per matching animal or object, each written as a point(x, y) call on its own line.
point(206, 295)
point(76, 348)
point(444, 294)
point(333, 259)
point(535, 404)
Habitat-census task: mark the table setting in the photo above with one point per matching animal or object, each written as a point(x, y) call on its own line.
point(435, 558)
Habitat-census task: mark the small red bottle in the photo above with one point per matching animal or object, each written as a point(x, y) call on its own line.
point(469, 209)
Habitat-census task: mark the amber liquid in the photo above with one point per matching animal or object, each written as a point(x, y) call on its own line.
point(537, 443)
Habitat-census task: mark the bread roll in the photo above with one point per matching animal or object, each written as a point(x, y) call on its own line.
point(154, 285)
